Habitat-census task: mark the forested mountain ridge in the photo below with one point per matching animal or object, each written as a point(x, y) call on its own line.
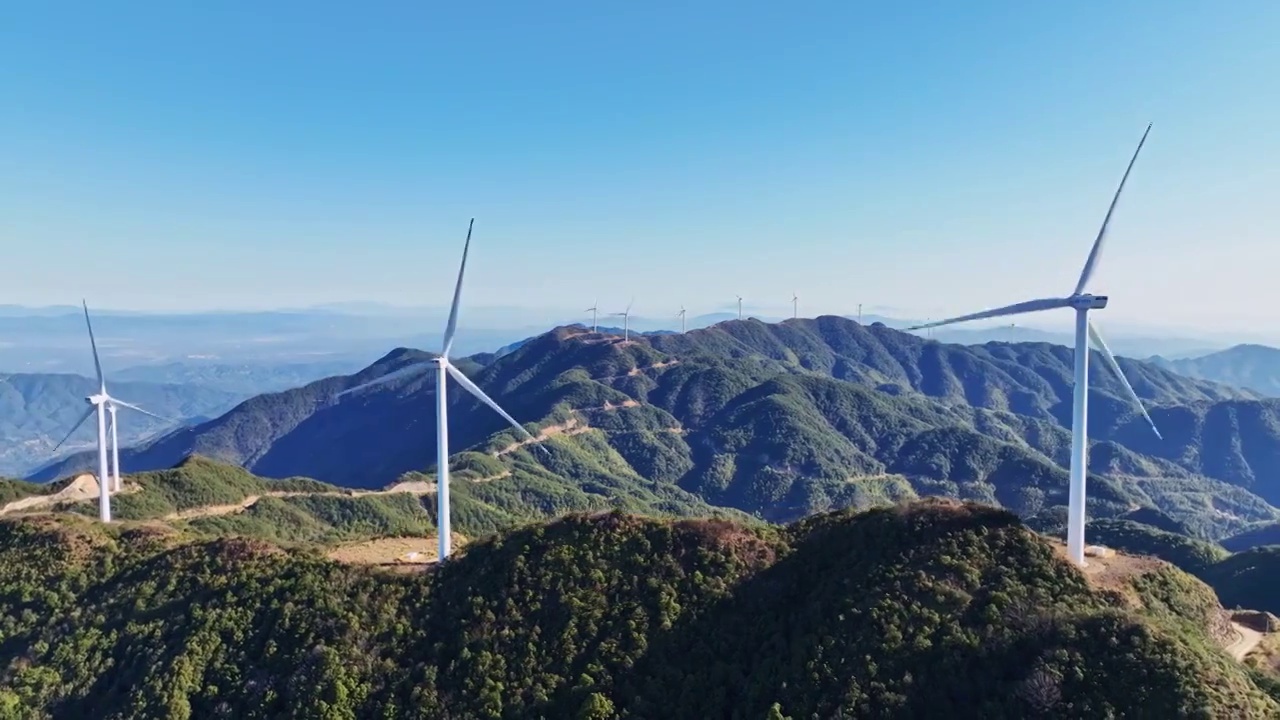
point(902, 611)
point(780, 420)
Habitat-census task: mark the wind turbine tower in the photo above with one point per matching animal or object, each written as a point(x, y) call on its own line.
point(795, 306)
point(113, 430)
point(100, 403)
point(626, 320)
point(739, 307)
point(595, 307)
point(444, 370)
point(859, 313)
point(681, 314)
point(1082, 303)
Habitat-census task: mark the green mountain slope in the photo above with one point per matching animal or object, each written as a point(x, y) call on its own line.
point(921, 610)
point(776, 420)
point(206, 498)
point(37, 410)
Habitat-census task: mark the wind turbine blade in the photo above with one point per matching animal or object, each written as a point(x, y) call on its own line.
point(88, 414)
point(633, 302)
point(135, 408)
point(1092, 263)
point(1015, 309)
point(94, 344)
point(406, 371)
point(475, 390)
point(1096, 337)
point(452, 327)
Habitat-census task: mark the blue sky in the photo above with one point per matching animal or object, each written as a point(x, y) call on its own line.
point(918, 157)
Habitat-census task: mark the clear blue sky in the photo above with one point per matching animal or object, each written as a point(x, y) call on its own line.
point(924, 157)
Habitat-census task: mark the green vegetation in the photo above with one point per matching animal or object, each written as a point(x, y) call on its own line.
point(1193, 556)
point(195, 483)
point(775, 421)
point(1250, 579)
point(925, 609)
point(322, 519)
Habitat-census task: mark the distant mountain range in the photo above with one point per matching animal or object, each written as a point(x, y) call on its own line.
point(352, 335)
point(37, 410)
point(1256, 367)
point(778, 420)
point(243, 379)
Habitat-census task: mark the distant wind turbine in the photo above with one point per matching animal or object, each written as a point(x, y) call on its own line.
point(100, 402)
point(626, 320)
point(595, 307)
point(113, 429)
point(1082, 303)
point(739, 307)
point(681, 316)
point(795, 306)
point(444, 369)
point(859, 313)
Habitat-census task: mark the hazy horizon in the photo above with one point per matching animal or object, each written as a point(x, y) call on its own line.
point(939, 162)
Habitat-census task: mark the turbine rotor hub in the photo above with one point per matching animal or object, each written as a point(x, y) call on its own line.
point(1085, 301)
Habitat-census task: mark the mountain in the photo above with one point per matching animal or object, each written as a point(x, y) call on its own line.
point(37, 410)
point(918, 611)
point(1256, 367)
point(775, 420)
point(242, 379)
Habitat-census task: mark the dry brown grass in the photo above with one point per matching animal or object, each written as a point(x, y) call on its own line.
point(408, 553)
point(1115, 573)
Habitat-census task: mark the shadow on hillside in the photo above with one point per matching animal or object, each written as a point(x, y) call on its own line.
point(958, 605)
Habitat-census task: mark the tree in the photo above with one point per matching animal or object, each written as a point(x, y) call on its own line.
point(597, 706)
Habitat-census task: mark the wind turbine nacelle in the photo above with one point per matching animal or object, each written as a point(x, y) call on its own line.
point(1089, 302)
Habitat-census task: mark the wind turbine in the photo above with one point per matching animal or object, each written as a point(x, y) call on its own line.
point(113, 429)
point(681, 316)
point(795, 306)
point(739, 306)
point(1082, 303)
point(444, 369)
point(593, 310)
point(626, 320)
point(100, 402)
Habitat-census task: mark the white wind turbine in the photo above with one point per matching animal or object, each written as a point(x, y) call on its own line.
point(113, 429)
point(101, 402)
point(795, 306)
point(739, 306)
point(444, 369)
point(681, 316)
point(595, 308)
point(626, 320)
point(1082, 303)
